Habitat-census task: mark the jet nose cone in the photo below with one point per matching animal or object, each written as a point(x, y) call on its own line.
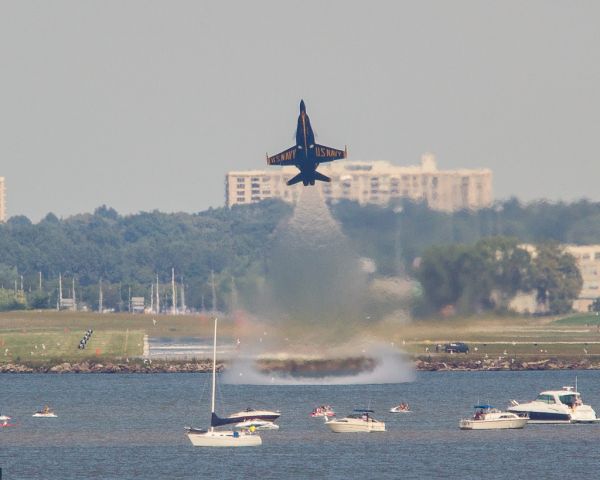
point(302, 106)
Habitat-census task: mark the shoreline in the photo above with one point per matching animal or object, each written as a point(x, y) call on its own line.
point(426, 364)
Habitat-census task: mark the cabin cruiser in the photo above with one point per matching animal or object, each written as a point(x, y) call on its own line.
point(556, 406)
point(253, 414)
point(323, 411)
point(358, 421)
point(45, 413)
point(487, 417)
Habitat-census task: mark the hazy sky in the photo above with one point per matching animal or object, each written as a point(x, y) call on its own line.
point(146, 105)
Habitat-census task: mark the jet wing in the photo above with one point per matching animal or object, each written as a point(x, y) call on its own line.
point(328, 154)
point(287, 157)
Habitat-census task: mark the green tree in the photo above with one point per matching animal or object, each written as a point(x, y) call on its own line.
point(556, 278)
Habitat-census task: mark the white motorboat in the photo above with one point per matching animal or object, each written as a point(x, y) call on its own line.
point(358, 421)
point(323, 411)
point(4, 418)
point(254, 414)
point(257, 425)
point(402, 408)
point(45, 413)
point(487, 417)
point(556, 406)
point(221, 438)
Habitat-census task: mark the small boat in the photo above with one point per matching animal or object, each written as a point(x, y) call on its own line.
point(254, 414)
point(402, 408)
point(221, 438)
point(487, 417)
point(4, 419)
point(256, 425)
point(45, 413)
point(323, 411)
point(358, 421)
point(556, 406)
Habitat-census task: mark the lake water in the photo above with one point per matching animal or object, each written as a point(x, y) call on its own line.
point(131, 427)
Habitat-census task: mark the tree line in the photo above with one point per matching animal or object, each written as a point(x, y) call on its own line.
point(126, 252)
point(488, 275)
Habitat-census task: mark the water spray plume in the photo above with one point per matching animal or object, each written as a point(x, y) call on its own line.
point(315, 309)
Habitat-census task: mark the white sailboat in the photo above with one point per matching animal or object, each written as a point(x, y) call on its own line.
point(220, 438)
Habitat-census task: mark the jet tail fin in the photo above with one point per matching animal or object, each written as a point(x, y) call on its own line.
point(294, 180)
point(321, 177)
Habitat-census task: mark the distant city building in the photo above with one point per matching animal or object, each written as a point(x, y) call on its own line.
point(375, 182)
point(2, 201)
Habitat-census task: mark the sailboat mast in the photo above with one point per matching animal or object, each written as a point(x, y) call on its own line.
point(214, 373)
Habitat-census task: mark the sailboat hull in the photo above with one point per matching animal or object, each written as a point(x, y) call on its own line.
point(224, 439)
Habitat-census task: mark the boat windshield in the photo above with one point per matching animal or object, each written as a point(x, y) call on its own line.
point(570, 399)
point(545, 398)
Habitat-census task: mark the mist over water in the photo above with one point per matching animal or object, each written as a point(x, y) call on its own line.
point(316, 306)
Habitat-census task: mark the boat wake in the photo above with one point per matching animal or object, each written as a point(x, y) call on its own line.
point(389, 366)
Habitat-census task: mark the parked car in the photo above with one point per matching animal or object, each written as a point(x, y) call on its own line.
point(456, 347)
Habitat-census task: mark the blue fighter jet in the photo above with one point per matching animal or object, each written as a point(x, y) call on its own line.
point(306, 154)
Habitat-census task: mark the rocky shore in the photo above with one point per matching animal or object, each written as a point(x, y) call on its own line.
point(421, 363)
point(431, 365)
point(108, 367)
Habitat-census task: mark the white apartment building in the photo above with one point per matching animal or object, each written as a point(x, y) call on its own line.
point(2, 201)
point(375, 182)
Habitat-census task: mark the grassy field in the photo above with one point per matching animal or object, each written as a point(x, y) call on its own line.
point(51, 337)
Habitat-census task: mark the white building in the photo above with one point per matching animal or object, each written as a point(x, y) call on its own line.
point(374, 182)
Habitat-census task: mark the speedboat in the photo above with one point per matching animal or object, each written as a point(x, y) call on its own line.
point(4, 418)
point(323, 411)
point(556, 406)
point(221, 438)
point(254, 414)
point(487, 417)
point(402, 408)
point(45, 413)
point(256, 425)
point(358, 421)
